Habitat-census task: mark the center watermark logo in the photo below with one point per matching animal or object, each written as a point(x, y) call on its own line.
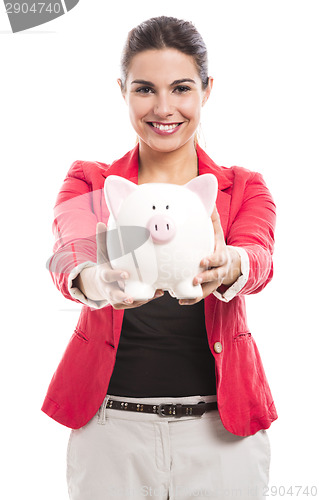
point(28, 14)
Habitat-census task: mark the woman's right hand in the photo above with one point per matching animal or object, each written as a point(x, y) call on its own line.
point(101, 282)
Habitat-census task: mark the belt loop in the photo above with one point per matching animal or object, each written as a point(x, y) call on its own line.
point(102, 412)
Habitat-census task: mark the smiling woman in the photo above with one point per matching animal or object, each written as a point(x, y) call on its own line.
point(165, 106)
point(183, 404)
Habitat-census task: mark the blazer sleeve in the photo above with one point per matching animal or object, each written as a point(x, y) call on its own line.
point(252, 229)
point(74, 228)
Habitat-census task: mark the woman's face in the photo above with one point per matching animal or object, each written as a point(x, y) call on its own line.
point(164, 96)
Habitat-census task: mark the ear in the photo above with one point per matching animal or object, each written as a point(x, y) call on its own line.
point(116, 189)
point(119, 81)
point(206, 187)
point(208, 90)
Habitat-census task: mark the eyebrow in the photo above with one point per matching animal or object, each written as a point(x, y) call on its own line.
point(176, 82)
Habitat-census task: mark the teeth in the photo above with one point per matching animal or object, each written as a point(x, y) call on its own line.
point(165, 127)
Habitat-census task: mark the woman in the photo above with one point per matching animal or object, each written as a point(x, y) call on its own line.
point(137, 382)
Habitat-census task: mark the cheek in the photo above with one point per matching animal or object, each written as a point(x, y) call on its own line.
point(191, 108)
point(138, 109)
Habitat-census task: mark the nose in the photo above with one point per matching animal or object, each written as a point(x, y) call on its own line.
point(162, 228)
point(163, 106)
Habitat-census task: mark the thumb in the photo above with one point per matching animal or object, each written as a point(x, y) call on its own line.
point(218, 230)
point(101, 251)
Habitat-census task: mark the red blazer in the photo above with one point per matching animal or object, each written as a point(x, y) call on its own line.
point(247, 213)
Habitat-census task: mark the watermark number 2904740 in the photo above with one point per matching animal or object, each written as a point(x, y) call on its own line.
point(24, 15)
point(291, 491)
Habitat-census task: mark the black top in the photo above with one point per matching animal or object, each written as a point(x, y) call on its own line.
point(163, 351)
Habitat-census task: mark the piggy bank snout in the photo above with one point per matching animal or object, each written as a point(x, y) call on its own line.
point(162, 228)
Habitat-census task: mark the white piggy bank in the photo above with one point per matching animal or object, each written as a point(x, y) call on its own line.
point(159, 233)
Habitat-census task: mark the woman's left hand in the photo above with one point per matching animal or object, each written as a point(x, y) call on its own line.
point(222, 267)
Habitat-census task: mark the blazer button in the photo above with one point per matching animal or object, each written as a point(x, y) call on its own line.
point(218, 347)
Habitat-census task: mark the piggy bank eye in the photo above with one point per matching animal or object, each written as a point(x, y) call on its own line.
point(167, 207)
point(153, 207)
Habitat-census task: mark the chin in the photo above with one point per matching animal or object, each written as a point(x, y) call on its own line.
point(165, 146)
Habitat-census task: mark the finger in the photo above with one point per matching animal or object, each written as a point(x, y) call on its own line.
point(207, 288)
point(101, 251)
point(189, 302)
point(116, 296)
point(215, 217)
point(157, 294)
point(110, 275)
point(218, 262)
point(218, 259)
point(216, 275)
point(218, 230)
point(219, 256)
point(129, 303)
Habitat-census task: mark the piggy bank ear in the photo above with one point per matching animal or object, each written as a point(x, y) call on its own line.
point(206, 187)
point(116, 189)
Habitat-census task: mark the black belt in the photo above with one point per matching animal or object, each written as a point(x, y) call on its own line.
point(164, 409)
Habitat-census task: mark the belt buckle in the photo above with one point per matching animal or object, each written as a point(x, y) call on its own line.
point(175, 408)
point(160, 409)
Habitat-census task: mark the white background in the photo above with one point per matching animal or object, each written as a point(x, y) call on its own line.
point(60, 102)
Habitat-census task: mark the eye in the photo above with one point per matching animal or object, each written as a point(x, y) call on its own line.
point(167, 207)
point(182, 89)
point(153, 207)
point(144, 90)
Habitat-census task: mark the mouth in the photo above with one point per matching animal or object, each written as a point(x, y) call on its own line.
point(164, 128)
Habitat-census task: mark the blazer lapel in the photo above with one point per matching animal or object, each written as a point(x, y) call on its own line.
point(126, 167)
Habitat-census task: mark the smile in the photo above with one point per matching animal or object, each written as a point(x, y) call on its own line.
point(163, 129)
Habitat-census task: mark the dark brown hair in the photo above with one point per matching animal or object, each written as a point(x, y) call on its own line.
point(165, 32)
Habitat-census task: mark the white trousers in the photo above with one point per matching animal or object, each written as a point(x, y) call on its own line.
point(129, 455)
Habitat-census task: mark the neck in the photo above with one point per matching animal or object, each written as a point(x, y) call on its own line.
point(176, 167)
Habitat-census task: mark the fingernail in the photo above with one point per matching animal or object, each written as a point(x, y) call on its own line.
point(184, 302)
point(128, 300)
point(124, 276)
point(205, 263)
point(159, 294)
point(198, 280)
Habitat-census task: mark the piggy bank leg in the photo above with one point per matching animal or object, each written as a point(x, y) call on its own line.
point(186, 290)
point(138, 290)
